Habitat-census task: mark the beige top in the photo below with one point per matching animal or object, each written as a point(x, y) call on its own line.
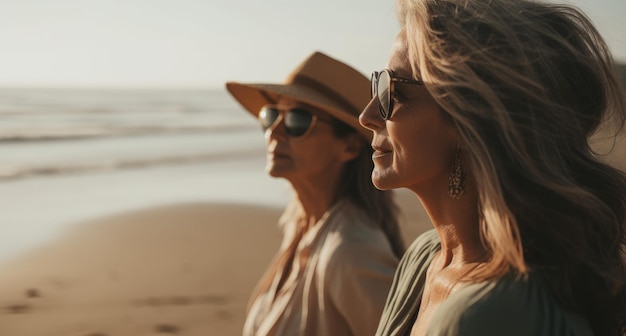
point(341, 273)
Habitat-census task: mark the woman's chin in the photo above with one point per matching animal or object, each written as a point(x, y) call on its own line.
point(381, 181)
point(273, 172)
point(278, 169)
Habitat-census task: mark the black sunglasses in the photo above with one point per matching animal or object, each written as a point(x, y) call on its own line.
point(383, 88)
point(298, 121)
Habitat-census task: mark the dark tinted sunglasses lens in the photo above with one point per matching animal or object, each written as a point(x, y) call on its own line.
point(298, 121)
point(384, 93)
point(267, 117)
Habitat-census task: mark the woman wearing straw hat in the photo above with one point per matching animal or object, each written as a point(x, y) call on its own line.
point(341, 240)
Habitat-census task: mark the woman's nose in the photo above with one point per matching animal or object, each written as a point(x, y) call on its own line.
point(276, 130)
point(370, 117)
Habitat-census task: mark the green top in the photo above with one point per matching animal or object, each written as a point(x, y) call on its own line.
point(508, 306)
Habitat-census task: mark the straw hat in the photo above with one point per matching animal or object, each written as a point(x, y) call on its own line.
point(320, 81)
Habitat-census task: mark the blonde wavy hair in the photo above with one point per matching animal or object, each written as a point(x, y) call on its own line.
point(526, 84)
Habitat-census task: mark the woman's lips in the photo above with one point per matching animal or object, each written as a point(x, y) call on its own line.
point(380, 152)
point(278, 155)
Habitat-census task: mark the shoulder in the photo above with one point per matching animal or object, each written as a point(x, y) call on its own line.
point(508, 306)
point(421, 250)
point(354, 240)
point(412, 268)
point(408, 283)
point(427, 242)
point(351, 227)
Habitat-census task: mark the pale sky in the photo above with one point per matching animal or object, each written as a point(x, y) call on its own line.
point(203, 43)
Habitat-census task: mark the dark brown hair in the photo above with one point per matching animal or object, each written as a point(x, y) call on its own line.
point(358, 187)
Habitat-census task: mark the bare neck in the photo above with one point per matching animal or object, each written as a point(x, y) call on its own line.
point(316, 197)
point(457, 224)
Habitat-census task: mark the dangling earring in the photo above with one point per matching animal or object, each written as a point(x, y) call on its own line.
point(457, 177)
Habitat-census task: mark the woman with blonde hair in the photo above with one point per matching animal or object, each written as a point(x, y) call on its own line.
point(485, 111)
point(341, 241)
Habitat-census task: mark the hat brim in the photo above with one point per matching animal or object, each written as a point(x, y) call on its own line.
point(254, 96)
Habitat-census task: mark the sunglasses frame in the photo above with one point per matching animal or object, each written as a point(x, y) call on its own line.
point(392, 80)
point(281, 116)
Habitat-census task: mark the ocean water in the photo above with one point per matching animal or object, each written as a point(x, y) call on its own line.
point(67, 156)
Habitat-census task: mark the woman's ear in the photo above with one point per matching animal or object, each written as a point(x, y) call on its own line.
point(352, 147)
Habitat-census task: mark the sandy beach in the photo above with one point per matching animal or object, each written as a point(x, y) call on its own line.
point(184, 269)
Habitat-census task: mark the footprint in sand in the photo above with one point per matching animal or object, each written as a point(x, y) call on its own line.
point(165, 328)
point(33, 293)
point(17, 308)
point(23, 308)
